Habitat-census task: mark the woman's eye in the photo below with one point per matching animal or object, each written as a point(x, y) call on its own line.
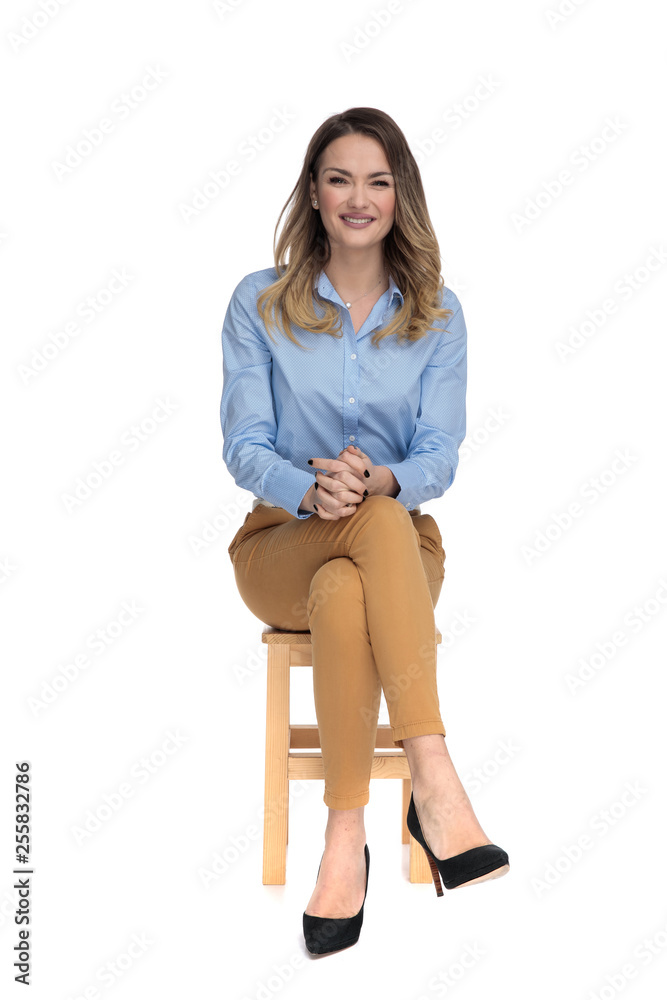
point(333, 180)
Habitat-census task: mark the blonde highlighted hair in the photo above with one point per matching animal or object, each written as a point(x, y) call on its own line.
point(411, 250)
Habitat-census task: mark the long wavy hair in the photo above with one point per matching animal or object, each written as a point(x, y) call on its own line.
point(411, 250)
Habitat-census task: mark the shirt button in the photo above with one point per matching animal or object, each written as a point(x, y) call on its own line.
point(353, 356)
point(352, 399)
point(351, 437)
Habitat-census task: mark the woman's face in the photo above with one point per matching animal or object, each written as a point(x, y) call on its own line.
point(355, 180)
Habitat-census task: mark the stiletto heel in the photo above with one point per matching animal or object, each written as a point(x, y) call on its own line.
point(324, 935)
point(434, 872)
point(476, 865)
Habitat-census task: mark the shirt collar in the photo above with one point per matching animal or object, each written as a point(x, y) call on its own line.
point(327, 290)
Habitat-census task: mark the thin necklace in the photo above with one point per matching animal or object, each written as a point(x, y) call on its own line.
point(382, 276)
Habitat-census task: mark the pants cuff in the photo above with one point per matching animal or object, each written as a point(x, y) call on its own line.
point(346, 801)
point(434, 727)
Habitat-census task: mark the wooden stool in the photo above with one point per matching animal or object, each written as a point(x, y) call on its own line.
point(293, 649)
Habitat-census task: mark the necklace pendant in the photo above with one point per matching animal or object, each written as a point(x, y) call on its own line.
point(348, 304)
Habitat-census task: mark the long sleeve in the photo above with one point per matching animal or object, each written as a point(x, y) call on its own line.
point(433, 456)
point(247, 414)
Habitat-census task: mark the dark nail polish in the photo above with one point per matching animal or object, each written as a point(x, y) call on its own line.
point(315, 506)
point(310, 461)
point(317, 485)
point(365, 493)
point(367, 474)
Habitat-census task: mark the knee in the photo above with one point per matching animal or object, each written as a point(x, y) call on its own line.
point(335, 584)
point(384, 511)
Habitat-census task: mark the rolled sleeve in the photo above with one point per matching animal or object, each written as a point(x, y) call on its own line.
point(247, 415)
point(430, 464)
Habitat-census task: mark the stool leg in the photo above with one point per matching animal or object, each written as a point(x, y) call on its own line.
point(419, 869)
point(276, 782)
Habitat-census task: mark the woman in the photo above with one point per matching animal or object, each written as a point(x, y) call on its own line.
point(355, 342)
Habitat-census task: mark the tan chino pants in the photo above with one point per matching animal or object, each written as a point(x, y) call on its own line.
point(366, 586)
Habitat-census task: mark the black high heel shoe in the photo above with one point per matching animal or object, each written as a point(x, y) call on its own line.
point(476, 865)
point(328, 934)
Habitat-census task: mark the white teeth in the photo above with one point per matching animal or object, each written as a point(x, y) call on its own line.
point(358, 222)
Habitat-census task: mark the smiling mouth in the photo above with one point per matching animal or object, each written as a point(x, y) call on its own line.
point(356, 221)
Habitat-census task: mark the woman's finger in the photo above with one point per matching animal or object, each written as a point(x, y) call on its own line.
point(335, 502)
point(350, 491)
point(355, 463)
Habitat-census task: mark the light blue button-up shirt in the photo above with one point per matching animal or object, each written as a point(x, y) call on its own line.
point(402, 405)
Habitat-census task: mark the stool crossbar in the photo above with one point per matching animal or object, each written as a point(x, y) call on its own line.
point(290, 756)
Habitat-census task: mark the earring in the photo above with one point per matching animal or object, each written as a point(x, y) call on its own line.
point(314, 204)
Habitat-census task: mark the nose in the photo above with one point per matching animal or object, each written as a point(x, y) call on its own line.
point(358, 197)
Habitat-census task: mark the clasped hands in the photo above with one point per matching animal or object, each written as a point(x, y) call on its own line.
point(349, 479)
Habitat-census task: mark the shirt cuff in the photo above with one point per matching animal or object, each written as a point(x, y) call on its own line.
point(286, 486)
point(411, 480)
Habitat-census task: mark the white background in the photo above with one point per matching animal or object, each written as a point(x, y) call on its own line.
point(189, 659)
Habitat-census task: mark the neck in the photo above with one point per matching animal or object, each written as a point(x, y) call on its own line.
point(356, 271)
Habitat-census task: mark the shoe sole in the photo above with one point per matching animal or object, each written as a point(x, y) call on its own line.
point(496, 873)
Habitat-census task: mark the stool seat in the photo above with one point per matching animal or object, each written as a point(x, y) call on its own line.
point(288, 756)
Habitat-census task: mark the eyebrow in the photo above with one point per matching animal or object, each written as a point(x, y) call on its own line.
point(378, 173)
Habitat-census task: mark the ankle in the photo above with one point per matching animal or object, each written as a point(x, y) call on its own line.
point(343, 838)
point(345, 828)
